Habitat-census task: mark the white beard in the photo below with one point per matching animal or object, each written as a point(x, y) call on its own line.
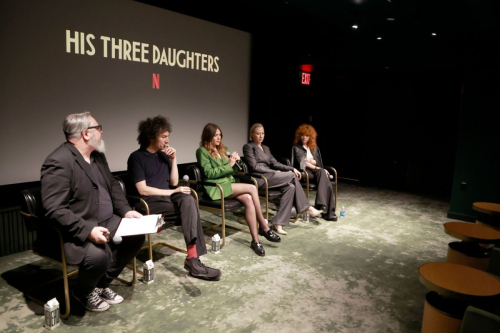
point(99, 146)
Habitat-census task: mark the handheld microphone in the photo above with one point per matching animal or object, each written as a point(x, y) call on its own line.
point(237, 164)
point(117, 239)
point(184, 181)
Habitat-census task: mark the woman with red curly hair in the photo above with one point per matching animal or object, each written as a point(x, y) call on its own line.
point(306, 157)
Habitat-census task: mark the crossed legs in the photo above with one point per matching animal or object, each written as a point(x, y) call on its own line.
point(248, 195)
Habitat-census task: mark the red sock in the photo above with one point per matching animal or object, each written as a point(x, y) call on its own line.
point(192, 253)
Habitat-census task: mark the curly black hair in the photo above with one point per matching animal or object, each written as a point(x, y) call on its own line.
point(152, 127)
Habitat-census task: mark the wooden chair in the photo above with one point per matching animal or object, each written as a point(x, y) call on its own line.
point(221, 206)
point(34, 216)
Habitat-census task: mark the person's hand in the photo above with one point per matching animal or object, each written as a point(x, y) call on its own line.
point(133, 214)
point(233, 158)
point(98, 235)
point(170, 151)
point(236, 155)
point(183, 189)
point(312, 161)
point(297, 173)
point(327, 173)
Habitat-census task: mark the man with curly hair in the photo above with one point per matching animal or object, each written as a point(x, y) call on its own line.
point(153, 170)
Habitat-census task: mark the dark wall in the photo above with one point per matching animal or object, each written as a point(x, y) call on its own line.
point(478, 158)
point(389, 128)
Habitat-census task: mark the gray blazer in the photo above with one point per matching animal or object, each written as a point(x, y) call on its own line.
point(262, 161)
point(70, 196)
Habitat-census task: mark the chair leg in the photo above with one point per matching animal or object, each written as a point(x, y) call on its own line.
point(66, 293)
point(133, 267)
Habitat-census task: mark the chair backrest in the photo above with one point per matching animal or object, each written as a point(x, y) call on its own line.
point(31, 207)
point(194, 173)
point(244, 166)
point(122, 184)
point(292, 159)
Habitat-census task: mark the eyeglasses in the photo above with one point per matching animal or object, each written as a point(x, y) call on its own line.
point(98, 127)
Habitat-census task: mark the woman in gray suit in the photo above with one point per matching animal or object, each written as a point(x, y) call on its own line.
point(280, 176)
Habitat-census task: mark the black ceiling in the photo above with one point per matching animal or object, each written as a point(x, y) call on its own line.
point(320, 31)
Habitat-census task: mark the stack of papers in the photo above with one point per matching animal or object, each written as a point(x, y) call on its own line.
point(147, 224)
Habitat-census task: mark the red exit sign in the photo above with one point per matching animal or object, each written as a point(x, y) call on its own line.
point(306, 79)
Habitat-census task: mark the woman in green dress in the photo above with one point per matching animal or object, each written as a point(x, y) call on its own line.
point(218, 166)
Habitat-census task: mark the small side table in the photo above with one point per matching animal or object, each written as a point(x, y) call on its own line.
point(473, 249)
point(453, 287)
point(493, 211)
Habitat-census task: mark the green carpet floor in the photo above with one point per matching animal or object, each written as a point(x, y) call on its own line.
point(359, 274)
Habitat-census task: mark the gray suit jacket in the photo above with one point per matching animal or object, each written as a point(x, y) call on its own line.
point(262, 161)
point(70, 196)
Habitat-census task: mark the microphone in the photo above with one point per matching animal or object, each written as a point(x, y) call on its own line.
point(237, 164)
point(184, 181)
point(117, 239)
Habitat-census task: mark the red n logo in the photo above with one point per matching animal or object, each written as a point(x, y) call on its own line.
point(156, 81)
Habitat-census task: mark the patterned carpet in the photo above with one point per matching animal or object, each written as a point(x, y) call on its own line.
point(359, 274)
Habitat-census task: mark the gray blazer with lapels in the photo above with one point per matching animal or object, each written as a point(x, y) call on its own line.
point(262, 161)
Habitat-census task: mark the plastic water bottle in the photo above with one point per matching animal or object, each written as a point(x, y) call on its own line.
point(342, 212)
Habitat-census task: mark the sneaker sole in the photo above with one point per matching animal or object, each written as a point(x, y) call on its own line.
point(111, 302)
point(86, 307)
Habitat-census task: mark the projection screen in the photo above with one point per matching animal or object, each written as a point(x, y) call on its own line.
point(123, 61)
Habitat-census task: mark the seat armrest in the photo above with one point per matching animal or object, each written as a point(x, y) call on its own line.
point(285, 160)
point(133, 200)
point(333, 171)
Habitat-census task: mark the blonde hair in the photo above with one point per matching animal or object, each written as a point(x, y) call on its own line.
point(252, 129)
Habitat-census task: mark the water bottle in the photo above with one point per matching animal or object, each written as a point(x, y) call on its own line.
point(342, 212)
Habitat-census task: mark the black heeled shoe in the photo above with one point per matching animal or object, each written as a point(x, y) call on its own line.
point(258, 248)
point(270, 235)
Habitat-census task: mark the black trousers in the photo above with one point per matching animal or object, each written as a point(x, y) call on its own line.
point(183, 209)
point(104, 262)
point(324, 196)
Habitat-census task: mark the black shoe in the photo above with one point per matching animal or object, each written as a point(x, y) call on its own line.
point(321, 207)
point(332, 218)
point(258, 248)
point(196, 268)
point(270, 235)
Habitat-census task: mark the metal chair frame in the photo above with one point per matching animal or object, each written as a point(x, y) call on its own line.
point(33, 203)
point(222, 209)
point(306, 184)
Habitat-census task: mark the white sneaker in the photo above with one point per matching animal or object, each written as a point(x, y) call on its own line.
point(92, 302)
point(109, 296)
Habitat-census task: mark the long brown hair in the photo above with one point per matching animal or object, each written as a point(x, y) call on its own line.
point(206, 140)
point(308, 130)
